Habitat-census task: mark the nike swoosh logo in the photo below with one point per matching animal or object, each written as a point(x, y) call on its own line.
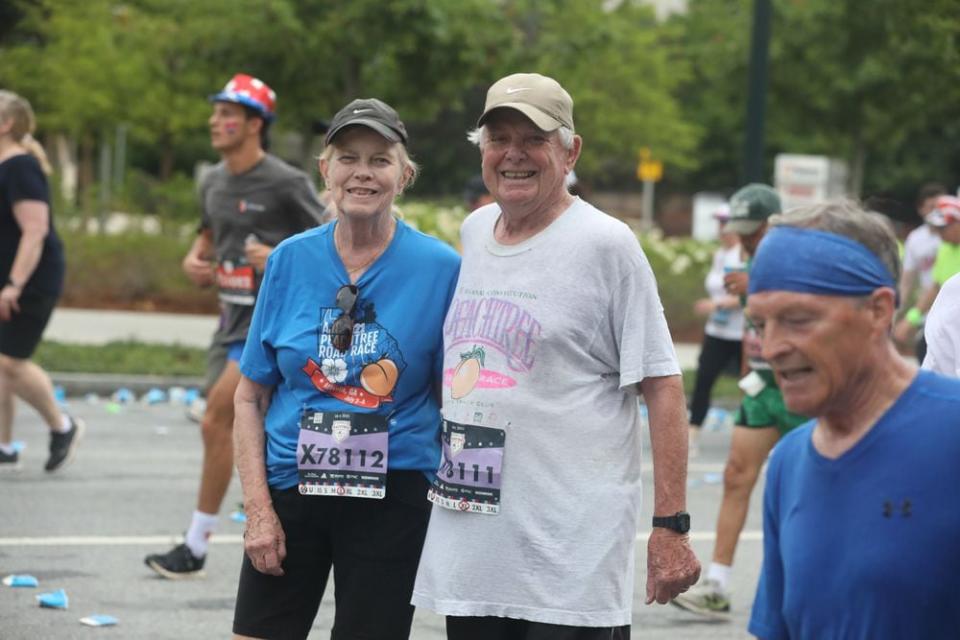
point(361, 110)
point(518, 90)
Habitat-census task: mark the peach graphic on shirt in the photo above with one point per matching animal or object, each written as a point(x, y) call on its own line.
point(380, 377)
point(467, 373)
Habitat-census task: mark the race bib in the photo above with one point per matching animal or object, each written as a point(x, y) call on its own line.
point(342, 454)
point(470, 470)
point(237, 283)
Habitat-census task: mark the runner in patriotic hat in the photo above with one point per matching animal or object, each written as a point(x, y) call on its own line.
point(250, 92)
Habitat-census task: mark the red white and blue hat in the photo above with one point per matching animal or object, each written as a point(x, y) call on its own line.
point(250, 92)
point(945, 211)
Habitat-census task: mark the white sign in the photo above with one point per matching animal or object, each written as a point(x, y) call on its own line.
point(804, 180)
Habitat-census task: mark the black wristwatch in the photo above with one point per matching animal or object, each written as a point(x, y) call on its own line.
point(679, 522)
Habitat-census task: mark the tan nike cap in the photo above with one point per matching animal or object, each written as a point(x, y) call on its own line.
point(538, 97)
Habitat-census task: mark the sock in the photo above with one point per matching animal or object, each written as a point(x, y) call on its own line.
point(7, 448)
point(719, 573)
point(198, 535)
point(65, 424)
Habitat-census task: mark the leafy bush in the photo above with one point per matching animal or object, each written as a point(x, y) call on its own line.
point(137, 271)
point(143, 271)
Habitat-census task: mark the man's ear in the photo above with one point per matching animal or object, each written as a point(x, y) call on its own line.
point(255, 124)
point(883, 306)
point(574, 154)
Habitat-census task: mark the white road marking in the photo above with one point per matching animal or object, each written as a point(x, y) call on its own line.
point(134, 541)
point(95, 541)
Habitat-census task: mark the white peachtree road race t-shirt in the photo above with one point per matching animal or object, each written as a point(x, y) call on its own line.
point(545, 342)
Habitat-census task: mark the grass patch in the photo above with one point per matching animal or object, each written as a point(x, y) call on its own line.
point(122, 357)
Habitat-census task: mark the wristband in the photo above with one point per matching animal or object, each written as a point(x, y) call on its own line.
point(914, 317)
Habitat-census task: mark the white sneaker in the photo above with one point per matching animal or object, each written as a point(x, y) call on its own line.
point(706, 598)
point(196, 410)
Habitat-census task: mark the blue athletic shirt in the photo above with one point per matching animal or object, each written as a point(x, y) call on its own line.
point(867, 545)
point(398, 336)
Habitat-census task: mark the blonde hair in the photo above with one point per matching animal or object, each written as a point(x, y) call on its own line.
point(17, 110)
point(409, 168)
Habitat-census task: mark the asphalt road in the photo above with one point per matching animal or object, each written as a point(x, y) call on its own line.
point(131, 491)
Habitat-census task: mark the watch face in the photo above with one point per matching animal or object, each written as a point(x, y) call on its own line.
point(683, 522)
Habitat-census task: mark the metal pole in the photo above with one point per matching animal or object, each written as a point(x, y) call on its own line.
point(647, 220)
point(120, 156)
point(105, 175)
point(757, 92)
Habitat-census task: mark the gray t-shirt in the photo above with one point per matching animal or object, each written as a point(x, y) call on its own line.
point(568, 322)
point(271, 201)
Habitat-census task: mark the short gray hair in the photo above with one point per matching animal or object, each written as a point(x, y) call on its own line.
point(847, 218)
point(478, 136)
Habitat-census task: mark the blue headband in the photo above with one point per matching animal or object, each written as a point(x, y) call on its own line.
point(818, 262)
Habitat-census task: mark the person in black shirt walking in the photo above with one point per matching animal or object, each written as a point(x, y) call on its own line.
point(31, 269)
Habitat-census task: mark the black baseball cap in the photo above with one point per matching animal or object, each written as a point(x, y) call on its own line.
point(372, 113)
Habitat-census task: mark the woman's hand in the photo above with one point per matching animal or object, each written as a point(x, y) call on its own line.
point(9, 302)
point(264, 541)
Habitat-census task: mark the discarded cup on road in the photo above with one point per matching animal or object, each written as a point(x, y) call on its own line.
point(54, 600)
point(91, 398)
point(176, 394)
point(23, 580)
point(60, 395)
point(154, 396)
point(123, 396)
point(99, 620)
point(190, 395)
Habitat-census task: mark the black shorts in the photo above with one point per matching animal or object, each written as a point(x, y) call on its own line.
point(374, 548)
point(492, 628)
point(20, 336)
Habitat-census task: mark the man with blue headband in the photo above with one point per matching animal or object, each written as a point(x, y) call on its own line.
point(860, 511)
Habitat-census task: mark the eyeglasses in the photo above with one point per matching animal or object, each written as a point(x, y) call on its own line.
point(341, 333)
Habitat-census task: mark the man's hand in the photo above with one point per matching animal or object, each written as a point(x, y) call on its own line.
point(736, 283)
point(201, 272)
point(257, 254)
point(703, 307)
point(672, 566)
point(264, 541)
point(9, 302)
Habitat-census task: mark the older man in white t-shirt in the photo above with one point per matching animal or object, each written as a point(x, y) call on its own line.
point(555, 329)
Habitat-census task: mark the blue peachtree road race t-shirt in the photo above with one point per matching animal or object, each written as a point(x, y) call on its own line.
point(865, 546)
point(398, 335)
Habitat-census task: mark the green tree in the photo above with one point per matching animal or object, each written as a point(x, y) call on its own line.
point(612, 59)
point(876, 85)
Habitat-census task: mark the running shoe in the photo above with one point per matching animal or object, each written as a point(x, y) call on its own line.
point(707, 599)
point(176, 564)
point(9, 461)
point(196, 410)
point(63, 446)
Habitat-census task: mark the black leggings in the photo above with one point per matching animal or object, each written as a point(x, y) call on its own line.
point(716, 355)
